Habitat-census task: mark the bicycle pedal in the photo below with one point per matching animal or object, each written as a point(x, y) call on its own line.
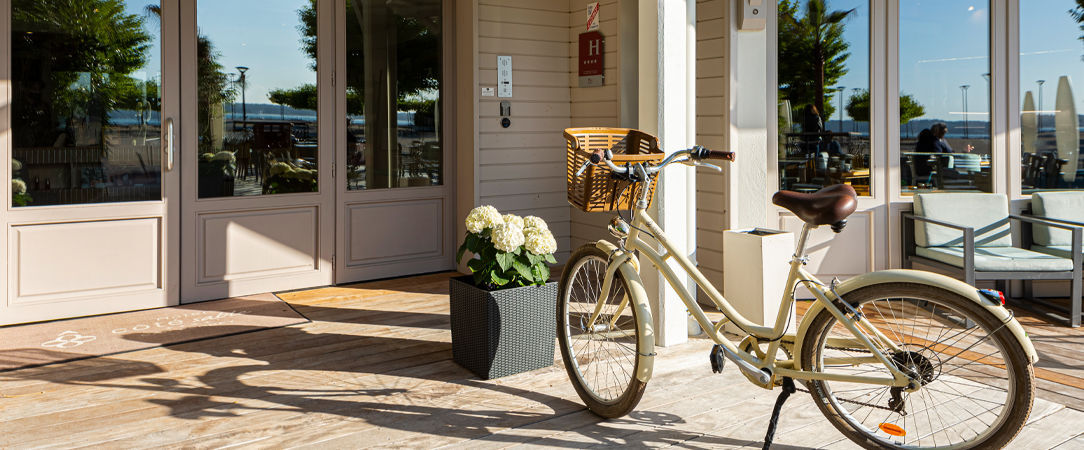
point(717, 359)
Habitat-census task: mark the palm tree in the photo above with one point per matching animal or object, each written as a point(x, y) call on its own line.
point(824, 30)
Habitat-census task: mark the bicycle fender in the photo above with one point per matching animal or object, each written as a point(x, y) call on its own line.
point(927, 278)
point(646, 346)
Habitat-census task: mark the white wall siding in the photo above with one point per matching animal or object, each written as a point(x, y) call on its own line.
point(712, 123)
point(521, 168)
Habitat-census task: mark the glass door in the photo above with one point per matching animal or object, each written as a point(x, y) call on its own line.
point(87, 122)
point(831, 125)
point(393, 190)
point(257, 183)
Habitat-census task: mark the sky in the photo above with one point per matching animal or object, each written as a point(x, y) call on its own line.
point(944, 44)
point(259, 34)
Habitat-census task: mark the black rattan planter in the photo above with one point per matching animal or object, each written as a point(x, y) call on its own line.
point(505, 332)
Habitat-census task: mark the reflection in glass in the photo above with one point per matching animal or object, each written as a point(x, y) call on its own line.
point(86, 102)
point(1050, 59)
point(824, 94)
point(393, 57)
point(945, 95)
point(257, 97)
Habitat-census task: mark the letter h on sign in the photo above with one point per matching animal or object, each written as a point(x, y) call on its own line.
point(591, 52)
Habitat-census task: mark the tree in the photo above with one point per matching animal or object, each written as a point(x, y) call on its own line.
point(212, 82)
point(812, 52)
point(74, 59)
point(417, 42)
point(858, 107)
point(1077, 14)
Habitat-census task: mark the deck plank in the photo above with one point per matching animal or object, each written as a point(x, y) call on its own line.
point(374, 368)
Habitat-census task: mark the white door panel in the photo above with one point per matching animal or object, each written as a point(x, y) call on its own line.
point(93, 234)
point(248, 236)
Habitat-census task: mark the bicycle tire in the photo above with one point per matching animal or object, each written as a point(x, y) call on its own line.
point(584, 352)
point(927, 359)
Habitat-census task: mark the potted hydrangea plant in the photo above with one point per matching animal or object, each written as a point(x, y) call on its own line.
point(503, 316)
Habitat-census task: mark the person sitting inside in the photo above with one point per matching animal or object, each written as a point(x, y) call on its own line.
point(927, 143)
point(812, 127)
point(939, 131)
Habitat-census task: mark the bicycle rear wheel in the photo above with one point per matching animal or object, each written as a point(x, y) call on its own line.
point(601, 360)
point(976, 381)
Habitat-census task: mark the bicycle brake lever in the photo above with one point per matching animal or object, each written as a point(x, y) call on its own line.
point(710, 166)
point(583, 168)
point(702, 164)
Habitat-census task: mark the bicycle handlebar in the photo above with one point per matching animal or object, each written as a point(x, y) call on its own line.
point(694, 154)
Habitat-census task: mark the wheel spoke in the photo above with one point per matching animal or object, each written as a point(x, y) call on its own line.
point(603, 356)
point(965, 380)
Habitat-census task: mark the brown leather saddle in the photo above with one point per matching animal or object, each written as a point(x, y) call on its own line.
point(828, 206)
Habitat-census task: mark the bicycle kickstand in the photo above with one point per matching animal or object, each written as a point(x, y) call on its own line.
point(788, 388)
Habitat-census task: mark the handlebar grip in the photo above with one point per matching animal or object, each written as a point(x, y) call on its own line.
point(704, 153)
point(716, 154)
point(597, 155)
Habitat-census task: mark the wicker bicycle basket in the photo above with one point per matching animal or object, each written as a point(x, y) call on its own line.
point(596, 190)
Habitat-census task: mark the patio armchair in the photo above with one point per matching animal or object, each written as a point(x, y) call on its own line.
point(969, 236)
point(1066, 208)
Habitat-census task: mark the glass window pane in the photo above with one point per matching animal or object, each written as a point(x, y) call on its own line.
point(257, 97)
point(85, 84)
point(824, 120)
point(393, 60)
point(945, 95)
point(1050, 59)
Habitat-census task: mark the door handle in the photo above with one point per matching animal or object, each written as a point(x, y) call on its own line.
point(169, 144)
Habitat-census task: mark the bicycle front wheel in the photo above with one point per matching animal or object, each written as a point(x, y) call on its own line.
point(601, 358)
point(975, 384)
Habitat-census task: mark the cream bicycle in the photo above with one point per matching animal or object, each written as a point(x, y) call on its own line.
point(896, 358)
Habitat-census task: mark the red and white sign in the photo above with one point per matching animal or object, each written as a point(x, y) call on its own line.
point(592, 16)
point(591, 51)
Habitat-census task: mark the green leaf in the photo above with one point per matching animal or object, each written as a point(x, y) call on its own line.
point(459, 254)
point(519, 250)
point(472, 242)
point(524, 270)
point(505, 259)
point(550, 259)
point(498, 279)
point(545, 273)
point(533, 258)
point(476, 265)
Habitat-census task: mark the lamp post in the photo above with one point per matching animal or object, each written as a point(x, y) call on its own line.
point(233, 106)
point(244, 111)
point(854, 123)
point(986, 76)
point(963, 89)
point(1039, 115)
point(840, 90)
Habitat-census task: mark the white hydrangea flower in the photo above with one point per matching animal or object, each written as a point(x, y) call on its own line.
point(18, 186)
point(483, 217)
point(534, 222)
point(16, 165)
point(540, 241)
point(507, 237)
point(513, 219)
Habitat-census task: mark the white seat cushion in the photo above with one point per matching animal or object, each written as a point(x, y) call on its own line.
point(988, 214)
point(1062, 251)
point(1056, 205)
point(999, 259)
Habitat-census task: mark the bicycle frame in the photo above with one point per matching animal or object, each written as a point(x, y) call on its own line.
point(865, 333)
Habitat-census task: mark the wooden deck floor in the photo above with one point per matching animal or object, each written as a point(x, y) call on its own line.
point(374, 368)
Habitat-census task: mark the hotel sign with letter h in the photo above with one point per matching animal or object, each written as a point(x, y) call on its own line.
point(591, 51)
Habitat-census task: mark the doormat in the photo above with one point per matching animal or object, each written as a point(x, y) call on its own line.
point(45, 343)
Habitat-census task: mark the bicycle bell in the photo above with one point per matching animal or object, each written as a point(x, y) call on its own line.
point(618, 228)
